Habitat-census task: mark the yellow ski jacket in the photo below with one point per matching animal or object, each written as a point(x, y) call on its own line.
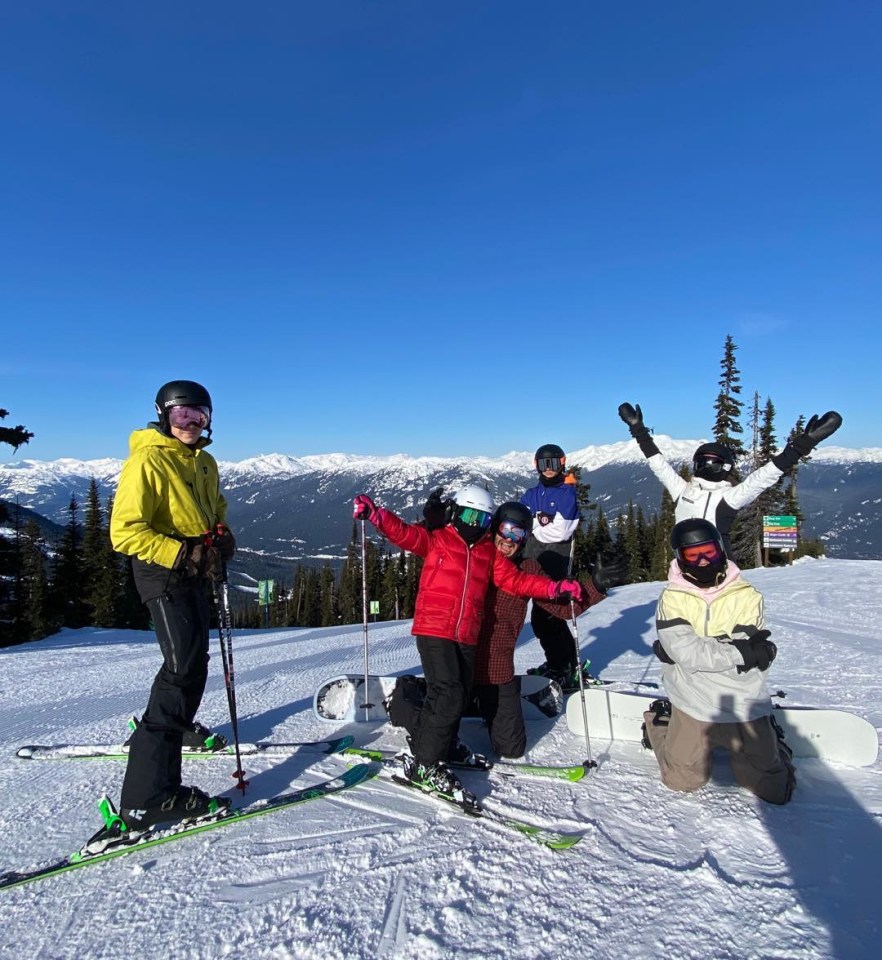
point(167, 492)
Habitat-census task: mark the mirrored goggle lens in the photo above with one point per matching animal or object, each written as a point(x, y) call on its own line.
point(189, 416)
point(475, 518)
point(550, 463)
point(711, 462)
point(701, 551)
point(511, 531)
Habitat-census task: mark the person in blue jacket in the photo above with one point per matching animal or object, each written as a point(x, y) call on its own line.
point(555, 509)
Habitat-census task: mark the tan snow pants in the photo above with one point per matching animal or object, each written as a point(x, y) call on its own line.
point(684, 748)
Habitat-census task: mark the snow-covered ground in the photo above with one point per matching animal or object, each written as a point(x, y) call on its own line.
point(382, 872)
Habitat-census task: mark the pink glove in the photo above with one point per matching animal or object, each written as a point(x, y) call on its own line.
point(365, 509)
point(565, 590)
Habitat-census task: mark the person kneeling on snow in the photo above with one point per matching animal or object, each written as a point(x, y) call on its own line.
point(715, 654)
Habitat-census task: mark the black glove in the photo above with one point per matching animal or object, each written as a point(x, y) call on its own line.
point(757, 651)
point(633, 416)
point(197, 558)
point(225, 542)
point(607, 575)
point(661, 653)
point(816, 430)
point(435, 510)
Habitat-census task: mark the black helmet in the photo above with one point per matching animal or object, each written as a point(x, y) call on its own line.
point(517, 516)
point(713, 461)
point(696, 532)
point(552, 455)
point(181, 393)
point(692, 532)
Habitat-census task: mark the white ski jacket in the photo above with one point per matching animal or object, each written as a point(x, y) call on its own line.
point(714, 500)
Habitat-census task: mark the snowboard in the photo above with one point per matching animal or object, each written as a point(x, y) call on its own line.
point(341, 699)
point(810, 732)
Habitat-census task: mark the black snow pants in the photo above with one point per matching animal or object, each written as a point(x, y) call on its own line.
point(553, 633)
point(449, 669)
point(181, 621)
point(500, 706)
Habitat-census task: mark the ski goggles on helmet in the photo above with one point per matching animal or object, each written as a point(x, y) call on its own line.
point(511, 531)
point(475, 518)
point(711, 464)
point(550, 463)
point(184, 416)
point(693, 555)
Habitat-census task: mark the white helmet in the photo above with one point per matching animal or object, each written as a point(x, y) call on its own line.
point(478, 498)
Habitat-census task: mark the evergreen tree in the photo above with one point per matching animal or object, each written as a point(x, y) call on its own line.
point(664, 524)
point(14, 436)
point(10, 551)
point(102, 589)
point(727, 425)
point(36, 621)
point(67, 576)
point(329, 612)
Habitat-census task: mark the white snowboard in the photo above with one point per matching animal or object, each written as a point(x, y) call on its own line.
point(341, 700)
point(810, 732)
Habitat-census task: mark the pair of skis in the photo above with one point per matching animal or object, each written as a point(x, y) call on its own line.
point(366, 764)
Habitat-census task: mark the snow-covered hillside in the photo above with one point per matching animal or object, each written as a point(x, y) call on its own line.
point(381, 872)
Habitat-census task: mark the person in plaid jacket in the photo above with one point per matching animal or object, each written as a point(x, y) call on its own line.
point(497, 689)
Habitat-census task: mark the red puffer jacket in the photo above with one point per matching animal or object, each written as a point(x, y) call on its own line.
point(455, 578)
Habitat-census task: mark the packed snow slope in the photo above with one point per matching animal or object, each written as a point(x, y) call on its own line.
point(383, 872)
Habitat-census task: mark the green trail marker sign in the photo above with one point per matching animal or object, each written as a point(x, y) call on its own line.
point(780, 533)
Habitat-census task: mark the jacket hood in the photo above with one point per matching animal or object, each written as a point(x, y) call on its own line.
point(676, 579)
point(152, 436)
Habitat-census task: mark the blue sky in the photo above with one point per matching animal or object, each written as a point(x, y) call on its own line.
point(451, 229)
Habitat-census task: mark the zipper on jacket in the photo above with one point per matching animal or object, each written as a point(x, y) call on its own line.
point(192, 485)
point(465, 586)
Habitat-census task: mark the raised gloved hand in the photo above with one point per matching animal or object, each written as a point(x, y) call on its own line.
point(565, 590)
point(224, 540)
point(633, 416)
point(816, 430)
point(661, 653)
point(435, 510)
point(199, 558)
point(757, 651)
point(364, 508)
point(610, 574)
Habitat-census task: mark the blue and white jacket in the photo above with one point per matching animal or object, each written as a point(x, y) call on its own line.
point(555, 511)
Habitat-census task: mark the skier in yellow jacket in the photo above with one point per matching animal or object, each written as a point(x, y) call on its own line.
point(170, 517)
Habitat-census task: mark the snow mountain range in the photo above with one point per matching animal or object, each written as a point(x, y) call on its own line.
point(286, 509)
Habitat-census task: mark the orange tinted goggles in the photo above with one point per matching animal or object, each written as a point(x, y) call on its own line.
point(701, 551)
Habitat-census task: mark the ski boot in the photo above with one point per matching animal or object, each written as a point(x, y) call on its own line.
point(200, 739)
point(462, 755)
point(438, 778)
point(571, 679)
point(186, 803)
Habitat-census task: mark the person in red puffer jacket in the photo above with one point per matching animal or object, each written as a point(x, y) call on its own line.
point(461, 562)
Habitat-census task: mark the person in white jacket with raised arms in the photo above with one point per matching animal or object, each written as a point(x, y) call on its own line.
point(710, 494)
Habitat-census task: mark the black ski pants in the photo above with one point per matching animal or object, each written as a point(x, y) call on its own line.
point(500, 706)
point(553, 633)
point(181, 621)
point(449, 669)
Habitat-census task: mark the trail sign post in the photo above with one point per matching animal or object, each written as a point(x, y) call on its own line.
point(779, 533)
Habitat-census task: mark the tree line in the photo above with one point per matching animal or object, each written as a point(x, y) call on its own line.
point(80, 581)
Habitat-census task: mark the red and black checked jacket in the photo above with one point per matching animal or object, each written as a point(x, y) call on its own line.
point(504, 617)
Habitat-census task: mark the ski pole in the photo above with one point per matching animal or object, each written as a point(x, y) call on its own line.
point(225, 634)
point(590, 763)
point(366, 706)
